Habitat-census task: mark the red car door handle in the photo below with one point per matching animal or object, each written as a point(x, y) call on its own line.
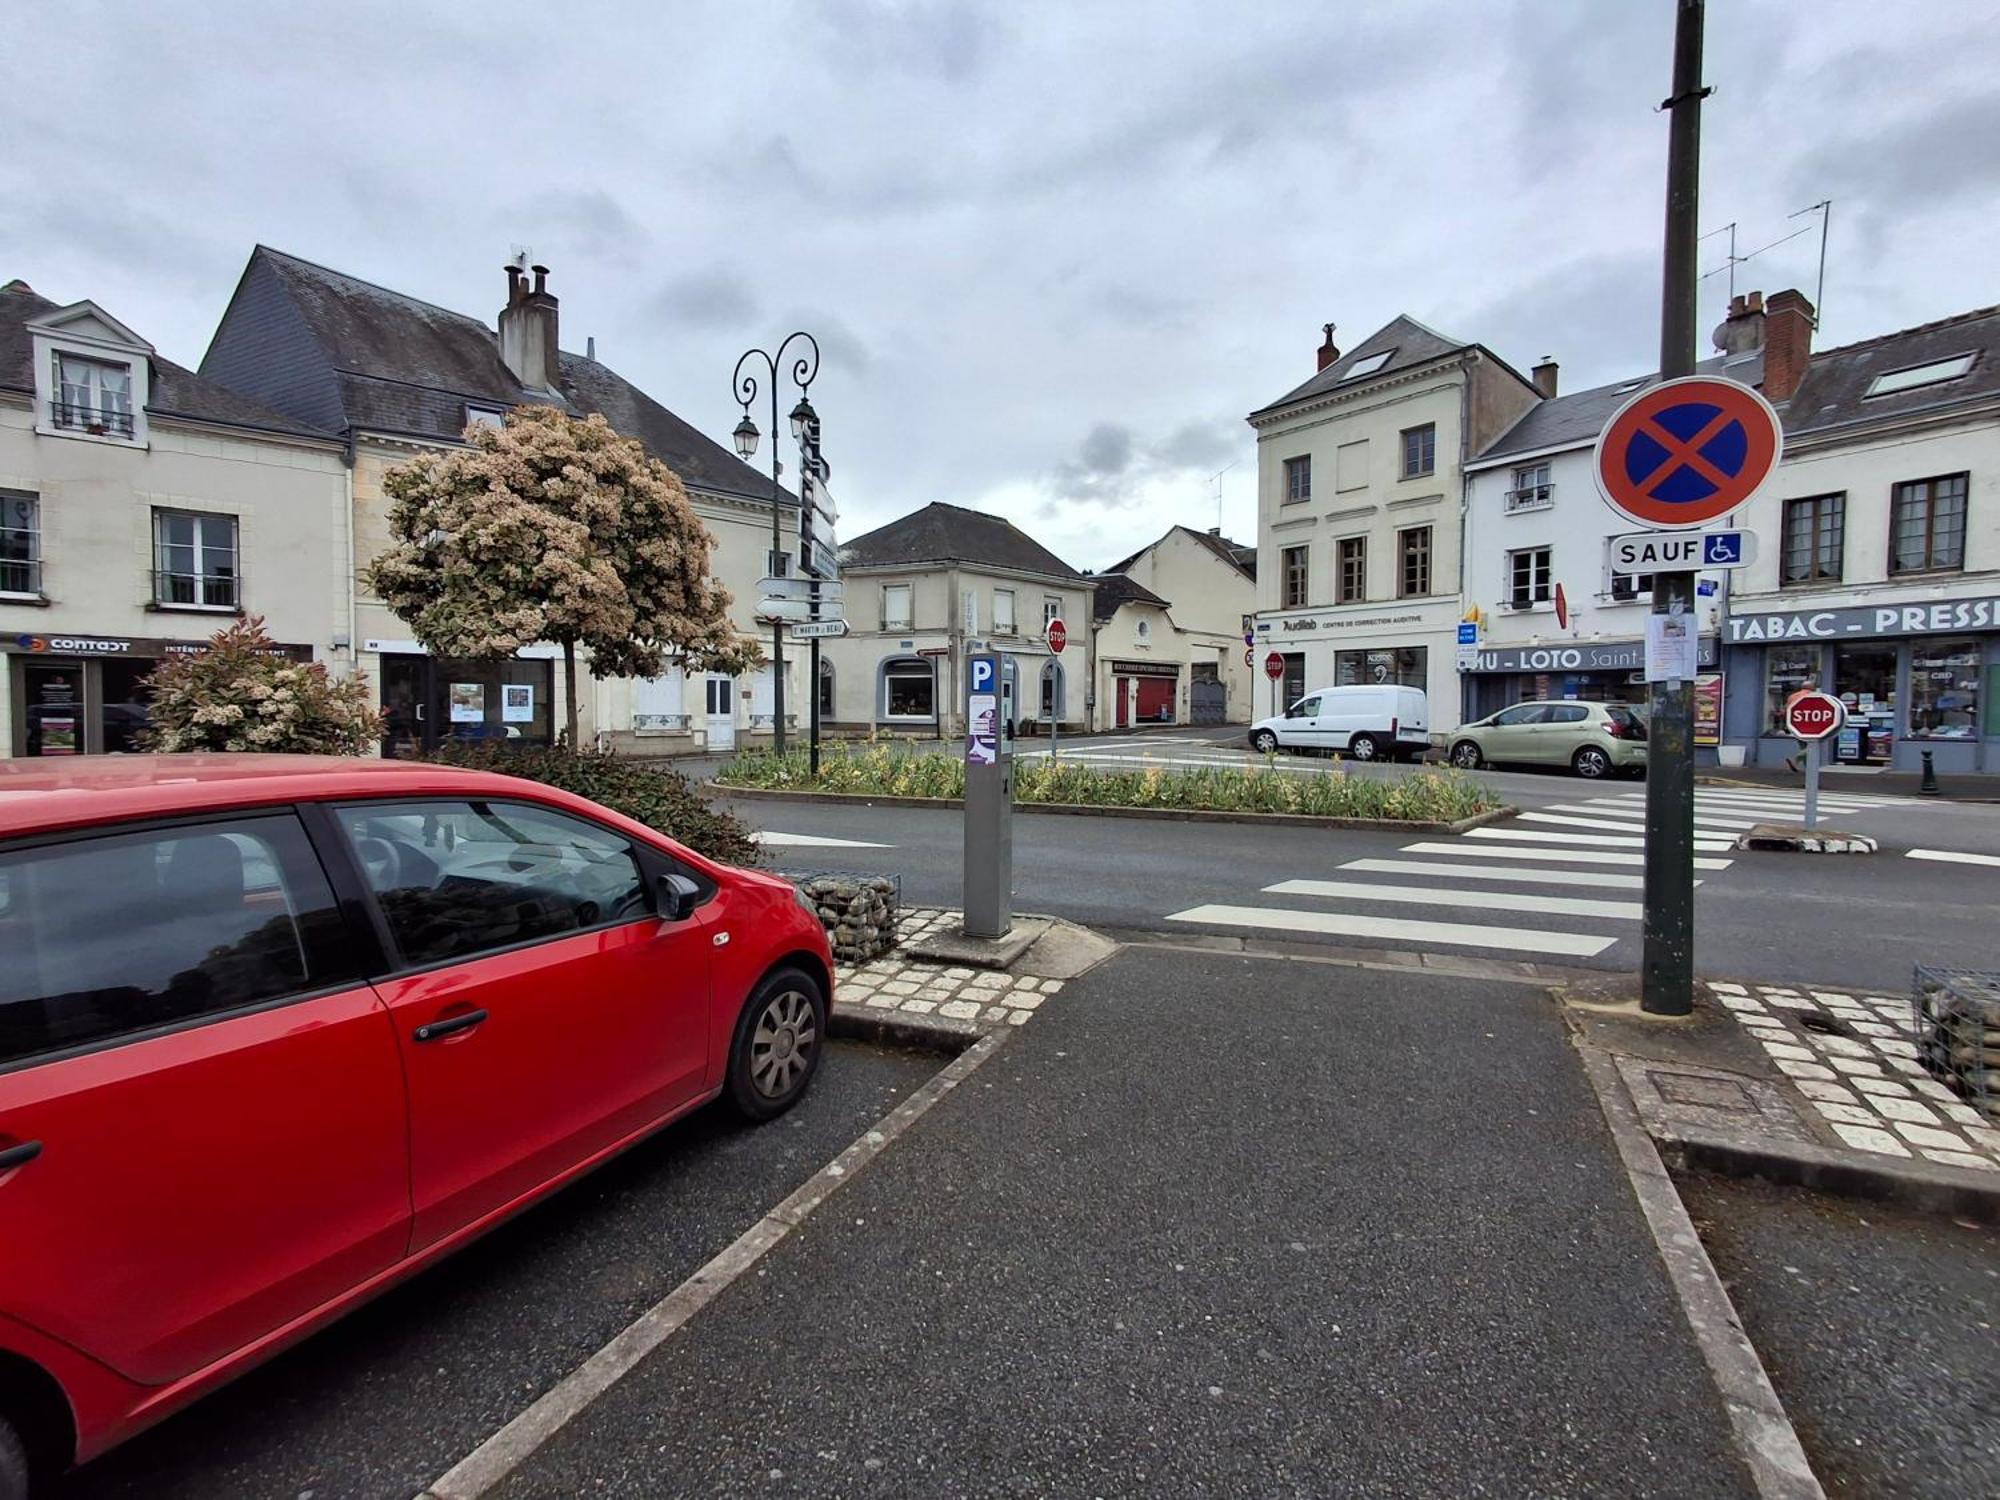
point(437, 1030)
point(19, 1156)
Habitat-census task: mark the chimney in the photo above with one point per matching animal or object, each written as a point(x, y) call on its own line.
point(1743, 330)
point(528, 330)
point(1328, 353)
point(1544, 375)
point(1788, 331)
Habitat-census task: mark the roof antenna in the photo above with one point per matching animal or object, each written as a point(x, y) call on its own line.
point(1216, 478)
point(1824, 208)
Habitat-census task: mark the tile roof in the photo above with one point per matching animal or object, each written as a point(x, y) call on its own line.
point(1115, 589)
point(395, 364)
point(950, 533)
point(1834, 392)
point(1406, 341)
point(1573, 421)
point(174, 392)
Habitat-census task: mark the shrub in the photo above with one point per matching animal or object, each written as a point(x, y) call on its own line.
point(243, 694)
point(661, 799)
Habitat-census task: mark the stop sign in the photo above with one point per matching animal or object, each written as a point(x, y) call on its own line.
point(1058, 636)
point(1274, 666)
point(1811, 715)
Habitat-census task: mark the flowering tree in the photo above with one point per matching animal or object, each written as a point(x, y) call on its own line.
point(242, 693)
point(554, 528)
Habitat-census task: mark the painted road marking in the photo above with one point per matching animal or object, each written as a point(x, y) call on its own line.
point(811, 841)
point(1629, 814)
point(1564, 856)
point(1614, 841)
point(1555, 906)
point(1595, 879)
point(1397, 929)
point(1952, 856)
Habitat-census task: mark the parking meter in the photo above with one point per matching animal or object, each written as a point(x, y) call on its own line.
point(989, 796)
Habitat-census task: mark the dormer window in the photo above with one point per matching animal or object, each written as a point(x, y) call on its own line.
point(93, 396)
point(484, 416)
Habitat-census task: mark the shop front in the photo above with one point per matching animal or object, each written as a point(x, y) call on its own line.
point(1145, 692)
point(1914, 677)
point(1589, 671)
point(429, 702)
point(74, 694)
point(1409, 643)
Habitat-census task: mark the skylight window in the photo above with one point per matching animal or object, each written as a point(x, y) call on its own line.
point(1367, 366)
point(1630, 385)
point(1937, 371)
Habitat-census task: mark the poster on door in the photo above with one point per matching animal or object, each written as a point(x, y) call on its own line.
point(468, 703)
point(1708, 709)
point(517, 702)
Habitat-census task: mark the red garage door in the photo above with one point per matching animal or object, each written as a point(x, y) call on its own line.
point(1156, 699)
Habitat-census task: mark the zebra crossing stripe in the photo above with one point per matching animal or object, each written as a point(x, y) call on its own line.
point(1398, 929)
point(1609, 840)
point(1554, 906)
point(1628, 814)
point(1564, 856)
point(1595, 879)
point(1952, 856)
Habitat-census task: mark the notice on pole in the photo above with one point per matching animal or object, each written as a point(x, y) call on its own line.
point(1671, 648)
point(982, 739)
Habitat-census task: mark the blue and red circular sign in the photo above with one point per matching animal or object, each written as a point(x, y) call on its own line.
point(1686, 452)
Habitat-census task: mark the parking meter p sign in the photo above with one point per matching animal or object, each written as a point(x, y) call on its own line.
point(1685, 453)
point(1811, 715)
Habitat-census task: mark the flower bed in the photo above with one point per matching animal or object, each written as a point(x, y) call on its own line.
point(1426, 797)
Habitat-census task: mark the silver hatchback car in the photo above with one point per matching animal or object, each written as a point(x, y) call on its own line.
point(1592, 739)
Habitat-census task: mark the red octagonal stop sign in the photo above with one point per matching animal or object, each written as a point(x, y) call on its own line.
point(1274, 666)
point(1811, 715)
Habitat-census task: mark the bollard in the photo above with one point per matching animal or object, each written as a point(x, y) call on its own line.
point(1928, 787)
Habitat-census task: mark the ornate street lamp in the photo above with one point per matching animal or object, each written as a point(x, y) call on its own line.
point(744, 383)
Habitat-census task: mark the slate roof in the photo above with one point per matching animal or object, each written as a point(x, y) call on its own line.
point(359, 357)
point(1573, 421)
point(1408, 342)
point(1238, 556)
point(1115, 589)
point(1834, 392)
point(950, 533)
point(175, 392)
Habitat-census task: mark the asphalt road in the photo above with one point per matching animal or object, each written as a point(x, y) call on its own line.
point(384, 1401)
point(1843, 922)
point(1209, 1226)
point(1878, 1327)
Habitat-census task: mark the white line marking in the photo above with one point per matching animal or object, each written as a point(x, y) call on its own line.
point(1629, 814)
point(1565, 856)
point(1555, 906)
point(1595, 879)
point(811, 841)
point(486, 1466)
point(1952, 856)
point(1608, 840)
point(1347, 924)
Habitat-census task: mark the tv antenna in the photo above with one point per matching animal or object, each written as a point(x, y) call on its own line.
point(1824, 208)
point(1216, 480)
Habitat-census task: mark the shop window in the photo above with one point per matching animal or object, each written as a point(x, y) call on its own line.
point(1528, 577)
point(1413, 562)
point(1864, 678)
point(1944, 689)
point(1787, 669)
point(1353, 570)
point(1927, 525)
point(1814, 538)
point(20, 543)
point(1408, 666)
point(195, 560)
point(909, 689)
point(1298, 480)
point(1295, 575)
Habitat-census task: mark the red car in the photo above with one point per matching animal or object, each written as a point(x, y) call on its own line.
point(278, 1031)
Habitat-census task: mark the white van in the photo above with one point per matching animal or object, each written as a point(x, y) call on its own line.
point(1374, 721)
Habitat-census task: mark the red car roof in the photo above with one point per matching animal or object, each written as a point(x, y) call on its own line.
point(48, 793)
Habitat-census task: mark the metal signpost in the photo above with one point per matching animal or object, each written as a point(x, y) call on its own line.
point(1058, 638)
point(1274, 668)
point(989, 796)
point(1813, 716)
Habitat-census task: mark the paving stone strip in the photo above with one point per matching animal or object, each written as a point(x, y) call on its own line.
point(894, 984)
point(1869, 1086)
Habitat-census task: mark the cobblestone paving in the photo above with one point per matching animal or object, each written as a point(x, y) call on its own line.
point(980, 997)
point(1866, 1081)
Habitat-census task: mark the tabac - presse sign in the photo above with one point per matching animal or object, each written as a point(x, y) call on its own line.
point(1685, 453)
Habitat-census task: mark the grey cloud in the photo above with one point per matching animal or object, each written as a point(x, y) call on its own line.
point(1919, 163)
point(1107, 450)
point(712, 298)
point(941, 38)
point(588, 223)
point(1200, 445)
point(1597, 315)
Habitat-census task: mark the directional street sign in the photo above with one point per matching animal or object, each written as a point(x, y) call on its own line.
point(819, 630)
point(824, 589)
point(1686, 452)
point(1682, 551)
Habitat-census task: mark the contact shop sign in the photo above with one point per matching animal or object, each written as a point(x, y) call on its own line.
point(59, 644)
point(1876, 619)
point(1576, 656)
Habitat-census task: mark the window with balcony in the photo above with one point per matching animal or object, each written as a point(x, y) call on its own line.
point(1814, 539)
point(1927, 525)
point(1413, 561)
point(1420, 450)
point(1295, 575)
point(896, 613)
point(1533, 489)
point(20, 543)
point(93, 396)
point(195, 563)
point(1298, 480)
point(1353, 570)
point(1527, 577)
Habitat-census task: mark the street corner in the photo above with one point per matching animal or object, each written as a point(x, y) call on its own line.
point(904, 997)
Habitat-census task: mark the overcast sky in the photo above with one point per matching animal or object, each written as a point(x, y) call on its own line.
point(1053, 253)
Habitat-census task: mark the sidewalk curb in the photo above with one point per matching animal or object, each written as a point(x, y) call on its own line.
point(1929, 1187)
point(888, 1028)
point(1160, 814)
point(1764, 1437)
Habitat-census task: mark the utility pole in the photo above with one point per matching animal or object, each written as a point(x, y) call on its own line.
point(1667, 971)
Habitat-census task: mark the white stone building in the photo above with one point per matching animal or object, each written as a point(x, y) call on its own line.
point(1209, 588)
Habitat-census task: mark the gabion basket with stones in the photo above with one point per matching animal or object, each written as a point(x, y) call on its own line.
point(859, 911)
point(1957, 1014)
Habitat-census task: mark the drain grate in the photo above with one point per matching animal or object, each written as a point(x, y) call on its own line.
point(1826, 1025)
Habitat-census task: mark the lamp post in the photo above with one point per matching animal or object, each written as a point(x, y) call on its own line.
point(744, 384)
